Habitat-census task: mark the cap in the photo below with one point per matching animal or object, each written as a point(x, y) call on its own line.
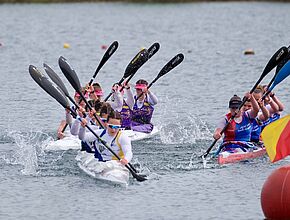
point(140, 86)
point(235, 102)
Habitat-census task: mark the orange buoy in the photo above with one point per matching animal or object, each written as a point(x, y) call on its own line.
point(249, 52)
point(104, 47)
point(275, 195)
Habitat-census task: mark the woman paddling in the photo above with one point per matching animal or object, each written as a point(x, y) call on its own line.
point(263, 115)
point(238, 133)
point(143, 108)
point(113, 136)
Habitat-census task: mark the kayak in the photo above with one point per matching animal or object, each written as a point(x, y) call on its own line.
point(240, 155)
point(73, 142)
point(111, 171)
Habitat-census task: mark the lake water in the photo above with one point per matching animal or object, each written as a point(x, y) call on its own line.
point(38, 184)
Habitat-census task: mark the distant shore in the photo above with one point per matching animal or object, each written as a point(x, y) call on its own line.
point(133, 1)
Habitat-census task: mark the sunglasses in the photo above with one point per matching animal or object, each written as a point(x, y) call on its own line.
point(114, 126)
point(104, 119)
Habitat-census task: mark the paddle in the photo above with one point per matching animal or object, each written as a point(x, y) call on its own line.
point(279, 66)
point(275, 59)
point(151, 51)
point(45, 84)
point(174, 62)
point(282, 74)
point(110, 51)
point(132, 67)
point(73, 79)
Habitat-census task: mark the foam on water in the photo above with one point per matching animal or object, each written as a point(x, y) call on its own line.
point(26, 150)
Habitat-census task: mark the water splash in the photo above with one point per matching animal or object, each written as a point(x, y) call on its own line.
point(189, 130)
point(28, 147)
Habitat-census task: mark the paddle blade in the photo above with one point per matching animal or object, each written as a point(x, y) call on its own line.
point(70, 74)
point(283, 62)
point(110, 51)
point(275, 60)
point(55, 78)
point(282, 74)
point(153, 49)
point(174, 62)
point(47, 86)
point(136, 63)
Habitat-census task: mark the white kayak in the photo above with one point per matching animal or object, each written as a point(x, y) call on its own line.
point(73, 142)
point(111, 171)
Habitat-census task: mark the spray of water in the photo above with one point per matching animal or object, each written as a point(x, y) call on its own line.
point(26, 147)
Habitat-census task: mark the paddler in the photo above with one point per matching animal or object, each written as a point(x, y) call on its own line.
point(238, 133)
point(144, 102)
point(68, 116)
point(263, 115)
point(119, 142)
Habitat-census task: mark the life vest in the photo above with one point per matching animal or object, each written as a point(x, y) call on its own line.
point(144, 114)
point(238, 131)
point(126, 114)
point(103, 154)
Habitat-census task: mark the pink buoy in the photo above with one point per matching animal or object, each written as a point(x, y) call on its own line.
point(275, 195)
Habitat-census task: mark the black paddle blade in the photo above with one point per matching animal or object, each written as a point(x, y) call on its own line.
point(175, 61)
point(275, 60)
point(283, 62)
point(136, 63)
point(110, 51)
point(47, 86)
point(55, 78)
point(153, 49)
point(70, 74)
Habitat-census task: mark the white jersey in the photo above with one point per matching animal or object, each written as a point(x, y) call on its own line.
point(120, 144)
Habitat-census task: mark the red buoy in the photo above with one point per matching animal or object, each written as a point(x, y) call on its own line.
point(275, 195)
point(104, 47)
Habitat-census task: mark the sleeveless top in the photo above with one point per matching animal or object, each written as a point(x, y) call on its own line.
point(126, 114)
point(144, 114)
point(238, 131)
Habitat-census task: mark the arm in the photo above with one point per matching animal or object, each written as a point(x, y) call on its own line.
point(217, 133)
point(273, 107)
point(60, 134)
point(118, 101)
point(130, 98)
point(68, 118)
point(264, 115)
point(84, 135)
point(278, 102)
point(127, 149)
point(74, 130)
point(255, 107)
point(152, 98)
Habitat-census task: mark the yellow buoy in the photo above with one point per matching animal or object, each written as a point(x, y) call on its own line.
point(249, 52)
point(66, 45)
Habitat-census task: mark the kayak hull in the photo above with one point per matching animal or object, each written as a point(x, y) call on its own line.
point(111, 171)
point(227, 157)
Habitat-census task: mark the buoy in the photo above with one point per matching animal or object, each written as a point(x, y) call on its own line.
point(275, 195)
point(66, 45)
point(1, 44)
point(104, 47)
point(249, 52)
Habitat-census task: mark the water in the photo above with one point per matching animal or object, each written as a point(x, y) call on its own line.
point(36, 184)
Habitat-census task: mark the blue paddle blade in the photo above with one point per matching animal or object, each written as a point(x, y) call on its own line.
point(282, 74)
